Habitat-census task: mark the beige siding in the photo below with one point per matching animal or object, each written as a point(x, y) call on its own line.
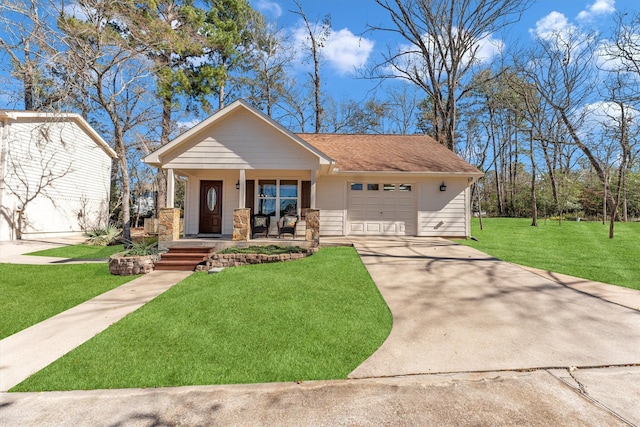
point(331, 200)
point(242, 141)
point(443, 213)
point(70, 172)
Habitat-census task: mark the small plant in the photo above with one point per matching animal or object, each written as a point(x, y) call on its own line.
point(141, 248)
point(266, 250)
point(103, 236)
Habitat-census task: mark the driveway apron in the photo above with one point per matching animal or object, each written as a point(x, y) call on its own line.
point(456, 309)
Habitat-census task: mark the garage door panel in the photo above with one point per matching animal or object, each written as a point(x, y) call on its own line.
point(373, 227)
point(357, 227)
point(381, 212)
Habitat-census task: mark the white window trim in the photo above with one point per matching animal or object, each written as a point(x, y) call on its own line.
point(277, 198)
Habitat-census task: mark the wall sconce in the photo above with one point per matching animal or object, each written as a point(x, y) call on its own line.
point(443, 187)
point(238, 185)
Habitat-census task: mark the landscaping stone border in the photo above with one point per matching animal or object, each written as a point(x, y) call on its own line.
point(232, 260)
point(123, 265)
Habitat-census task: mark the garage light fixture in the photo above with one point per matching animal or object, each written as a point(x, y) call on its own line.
point(443, 187)
point(238, 185)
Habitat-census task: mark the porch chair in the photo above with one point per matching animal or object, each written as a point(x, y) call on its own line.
point(260, 225)
point(287, 225)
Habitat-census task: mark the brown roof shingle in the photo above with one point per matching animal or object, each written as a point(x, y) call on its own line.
point(388, 153)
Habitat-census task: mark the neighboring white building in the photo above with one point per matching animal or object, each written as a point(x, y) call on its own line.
point(55, 175)
point(362, 184)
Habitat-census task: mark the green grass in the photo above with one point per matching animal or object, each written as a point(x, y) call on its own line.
point(81, 251)
point(314, 318)
point(32, 293)
point(582, 249)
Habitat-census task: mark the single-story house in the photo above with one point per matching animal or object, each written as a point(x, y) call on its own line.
point(55, 175)
point(361, 184)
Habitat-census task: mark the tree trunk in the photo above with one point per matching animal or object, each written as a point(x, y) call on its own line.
point(534, 207)
point(161, 176)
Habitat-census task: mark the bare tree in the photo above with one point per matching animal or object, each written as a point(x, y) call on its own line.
point(562, 67)
point(317, 36)
point(444, 37)
point(30, 41)
point(266, 83)
point(112, 77)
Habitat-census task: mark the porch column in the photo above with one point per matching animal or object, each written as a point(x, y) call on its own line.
point(243, 190)
point(313, 189)
point(171, 185)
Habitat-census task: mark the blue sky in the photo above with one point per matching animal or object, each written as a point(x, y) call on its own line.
point(352, 47)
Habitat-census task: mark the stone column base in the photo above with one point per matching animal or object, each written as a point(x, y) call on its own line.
point(168, 226)
point(313, 226)
point(241, 224)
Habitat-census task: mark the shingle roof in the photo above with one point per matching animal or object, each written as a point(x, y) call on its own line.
point(388, 153)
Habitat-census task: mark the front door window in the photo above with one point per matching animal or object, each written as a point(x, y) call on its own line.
point(212, 199)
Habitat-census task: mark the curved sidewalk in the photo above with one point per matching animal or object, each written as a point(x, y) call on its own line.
point(456, 309)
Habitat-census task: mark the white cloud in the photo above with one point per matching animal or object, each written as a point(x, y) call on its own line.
point(599, 7)
point(488, 48)
point(552, 24)
point(343, 50)
point(269, 7)
point(347, 52)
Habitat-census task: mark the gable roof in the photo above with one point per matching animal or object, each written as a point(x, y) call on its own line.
point(390, 153)
point(154, 158)
point(14, 115)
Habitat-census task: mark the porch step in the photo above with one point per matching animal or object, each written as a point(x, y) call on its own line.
point(183, 258)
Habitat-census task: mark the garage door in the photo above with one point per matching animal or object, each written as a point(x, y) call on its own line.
point(381, 209)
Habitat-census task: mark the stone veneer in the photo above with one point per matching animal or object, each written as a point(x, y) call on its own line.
point(123, 265)
point(168, 226)
point(312, 233)
point(241, 224)
point(232, 260)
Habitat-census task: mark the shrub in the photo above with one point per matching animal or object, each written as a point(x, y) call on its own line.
point(266, 250)
point(141, 248)
point(103, 236)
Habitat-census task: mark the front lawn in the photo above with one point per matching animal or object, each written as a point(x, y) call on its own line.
point(314, 318)
point(81, 251)
point(581, 249)
point(32, 293)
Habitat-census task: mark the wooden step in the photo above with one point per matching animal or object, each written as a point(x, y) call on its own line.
point(183, 258)
point(176, 265)
point(170, 256)
point(192, 249)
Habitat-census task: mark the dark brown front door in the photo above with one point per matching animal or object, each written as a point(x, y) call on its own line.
point(211, 207)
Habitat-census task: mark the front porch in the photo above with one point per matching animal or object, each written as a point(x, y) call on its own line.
point(169, 235)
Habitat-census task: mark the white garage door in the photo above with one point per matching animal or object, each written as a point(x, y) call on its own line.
point(381, 209)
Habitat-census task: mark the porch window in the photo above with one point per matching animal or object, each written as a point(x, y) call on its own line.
point(278, 197)
point(267, 196)
point(288, 197)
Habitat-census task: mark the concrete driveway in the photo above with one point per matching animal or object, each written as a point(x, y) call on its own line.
point(456, 309)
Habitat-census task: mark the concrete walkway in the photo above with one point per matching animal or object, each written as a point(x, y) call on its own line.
point(26, 352)
point(13, 252)
point(456, 309)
